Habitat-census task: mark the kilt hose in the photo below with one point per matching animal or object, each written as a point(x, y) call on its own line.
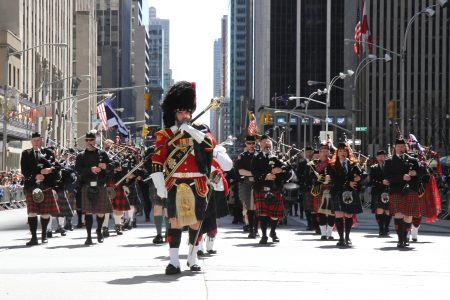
point(48, 207)
point(264, 208)
point(100, 205)
point(120, 201)
point(65, 209)
point(246, 195)
point(408, 205)
point(308, 201)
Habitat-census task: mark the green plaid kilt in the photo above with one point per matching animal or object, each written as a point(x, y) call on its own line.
point(48, 207)
point(264, 208)
point(100, 205)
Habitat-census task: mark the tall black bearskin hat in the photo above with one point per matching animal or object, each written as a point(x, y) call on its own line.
point(400, 141)
point(181, 95)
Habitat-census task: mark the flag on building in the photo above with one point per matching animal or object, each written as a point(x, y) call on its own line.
point(113, 119)
point(252, 129)
point(101, 111)
point(362, 33)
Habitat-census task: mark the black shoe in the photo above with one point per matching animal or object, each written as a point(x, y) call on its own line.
point(400, 245)
point(246, 228)
point(406, 243)
point(414, 240)
point(63, 232)
point(105, 232)
point(274, 238)
point(212, 251)
point(158, 240)
point(79, 225)
point(171, 270)
point(88, 242)
point(318, 231)
point(32, 242)
point(263, 240)
point(133, 224)
point(147, 219)
point(49, 234)
point(341, 243)
point(100, 238)
point(195, 268)
point(68, 227)
point(119, 230)
point(330, 238)
point(348, 242)
point(252, 235)
point(323, 237)
point(200, 253)
point(44, 239)
point(58, 230)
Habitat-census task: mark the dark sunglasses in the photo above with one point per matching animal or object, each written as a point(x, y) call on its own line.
point(88, 140)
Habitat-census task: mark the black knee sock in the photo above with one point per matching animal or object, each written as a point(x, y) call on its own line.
point(380, 221)
point(89, 220)
point(314, 223)
point(255, 227)
point(340, 227)
point(399, 228)
point(407, 228)
point(273, 226)
point(33, 223)
point(192, 236)
point(251, 218)
point(100, 222)
point(308, 218)
point(348, 226)
point(79, 215)
point(44, 224)
point(322, 219)
point(174, 238)
point(330, 221)
point(387, 222)
point(264, 222)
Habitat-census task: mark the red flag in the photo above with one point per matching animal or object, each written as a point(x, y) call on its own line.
point(357, 38)
point(102, 115)
point(365, 32)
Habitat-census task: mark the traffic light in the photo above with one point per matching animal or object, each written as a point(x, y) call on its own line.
point(263, 118)
point(147, 97)
point(144, 131)
point(391, 110)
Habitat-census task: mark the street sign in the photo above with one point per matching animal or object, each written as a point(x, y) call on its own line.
point(361, 128)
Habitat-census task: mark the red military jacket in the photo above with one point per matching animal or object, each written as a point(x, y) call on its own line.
point(171, 158)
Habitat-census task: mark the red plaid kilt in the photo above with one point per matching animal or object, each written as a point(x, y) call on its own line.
point(308, 202)
point(120, 202)
point(316, 200)
point(101, 205)
point(48, 207)
point(263, 208)
point(409, 204)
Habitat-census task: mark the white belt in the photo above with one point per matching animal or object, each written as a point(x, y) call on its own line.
point(187, 175)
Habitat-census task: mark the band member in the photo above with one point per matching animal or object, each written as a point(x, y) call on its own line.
point(243, 165)
point(217, 205)
point(380, 194)
point(119, 201)
point(402, 174)
point(39, 177)
point(180, 166)
point(93, 165)
point(345, 176)
point(322, 203)
point(304, 179)
point(270, 175)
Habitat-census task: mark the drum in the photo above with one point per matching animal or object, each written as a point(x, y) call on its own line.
point(290, 192)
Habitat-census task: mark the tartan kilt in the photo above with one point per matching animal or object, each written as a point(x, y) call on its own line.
point(65, 210)
point(377, 203)
point(316, 201)
point(210, 220)
point(353, 208)
point(263, 208)
point(72, 200)
point(120, 201)
point(308, 201)
point(101, 205)
point(245, 194)
point(48, 207)
point(409, 204)
point(221, 204)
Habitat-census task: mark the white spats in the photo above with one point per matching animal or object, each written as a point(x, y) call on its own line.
point(106, 220)
point(192, 255)
point(414, 232)
point(323, 230)
point(329, 231)
point(174, 258)
point(210, 243)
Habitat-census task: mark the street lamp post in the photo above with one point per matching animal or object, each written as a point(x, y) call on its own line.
point(6, 77)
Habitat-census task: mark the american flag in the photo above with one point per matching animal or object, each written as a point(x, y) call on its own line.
point(102, 115)
point(251, 130)
point(362, 33)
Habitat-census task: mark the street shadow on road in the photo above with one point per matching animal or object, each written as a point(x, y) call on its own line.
point(235, 237)
point(163, 257)
point(142, 245)
point(395, 249)
point(14, 247)
point(68, 247)
point(234, 231)
point(256, 245)
point(411, 243)
point(162, 278)
point(304, 233)
point(334, 247)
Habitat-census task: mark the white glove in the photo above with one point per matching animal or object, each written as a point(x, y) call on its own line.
point(197, 135)
point(219, 149)
point(158, 181)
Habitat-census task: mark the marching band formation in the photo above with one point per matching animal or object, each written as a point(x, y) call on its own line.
point(189, 180)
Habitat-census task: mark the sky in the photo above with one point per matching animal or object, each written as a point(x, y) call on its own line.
point(194, 25)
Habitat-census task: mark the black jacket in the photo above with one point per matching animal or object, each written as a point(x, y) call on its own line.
point(341, 180)
point(31, 167)
point(396, 167)
point(88, 159)
point(376, 179)
point(262, 165)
